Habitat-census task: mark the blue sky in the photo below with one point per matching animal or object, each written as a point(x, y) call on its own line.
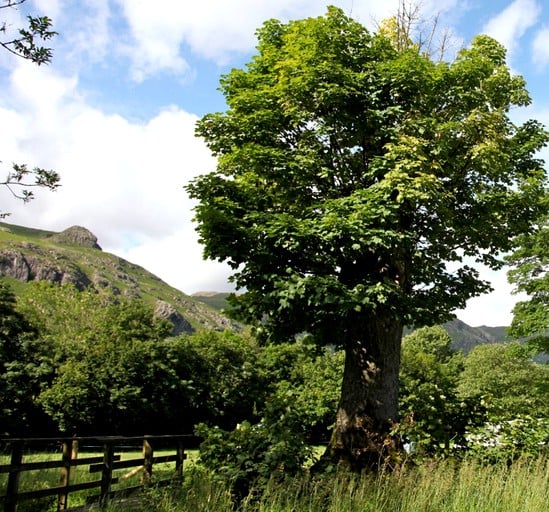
point(114, 113)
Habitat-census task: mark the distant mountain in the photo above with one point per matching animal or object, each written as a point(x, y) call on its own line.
point(74, 256)
point(464, 337)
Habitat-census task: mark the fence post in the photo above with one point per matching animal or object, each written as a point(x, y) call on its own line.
point(10, 505)
point(106, 475)
point(70, 452)
point(147, 461)
point(181, 456)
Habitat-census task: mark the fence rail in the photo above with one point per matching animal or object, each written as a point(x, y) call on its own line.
point(104, 464)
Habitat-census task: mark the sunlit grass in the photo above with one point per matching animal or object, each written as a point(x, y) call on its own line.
point(448, 486)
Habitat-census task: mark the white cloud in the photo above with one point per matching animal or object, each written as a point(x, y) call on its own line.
point(121, 179)
point(50, 8)
point(177, 259)
point(511, 23)
point(84, 32)
point(216, 29)
point(540, 48)
point(92, 37)
point(492, 309)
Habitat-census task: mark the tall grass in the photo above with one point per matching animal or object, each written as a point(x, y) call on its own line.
point(448, 486)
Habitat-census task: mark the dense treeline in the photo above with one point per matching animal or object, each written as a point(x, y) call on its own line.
point(82, 363)
point(89, 364)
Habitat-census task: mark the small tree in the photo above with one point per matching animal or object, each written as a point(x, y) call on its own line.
point(507, 380)
point(514, 390)
point(349, 174)
point(21, 368)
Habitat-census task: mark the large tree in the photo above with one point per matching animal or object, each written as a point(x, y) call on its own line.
point(353, 180)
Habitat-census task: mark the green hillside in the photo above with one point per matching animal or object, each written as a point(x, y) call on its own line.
point(74, 256)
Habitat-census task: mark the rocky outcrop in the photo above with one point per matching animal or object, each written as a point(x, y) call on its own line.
point(15, 265)
point(163, 309)
point(25, 267)
point(207, 318)
point(77, 235)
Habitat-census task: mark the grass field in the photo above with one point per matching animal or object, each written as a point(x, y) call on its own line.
point(446, 486)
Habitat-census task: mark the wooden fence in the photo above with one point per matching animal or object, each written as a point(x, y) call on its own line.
point(104, 465)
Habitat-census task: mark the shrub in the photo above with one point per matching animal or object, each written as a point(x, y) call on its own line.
point(252, 454)
point(510, 440)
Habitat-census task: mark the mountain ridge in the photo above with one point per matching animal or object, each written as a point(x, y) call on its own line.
point(464, 337)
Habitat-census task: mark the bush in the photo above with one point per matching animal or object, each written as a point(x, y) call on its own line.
point(252, 454)
point(507, 441)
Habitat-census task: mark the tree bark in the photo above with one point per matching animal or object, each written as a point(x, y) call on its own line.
point(368, 407)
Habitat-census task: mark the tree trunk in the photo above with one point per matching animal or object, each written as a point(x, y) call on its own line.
point(368, 407)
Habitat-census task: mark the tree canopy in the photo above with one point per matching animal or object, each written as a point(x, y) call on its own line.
point(509, 382)
point(349, 174)
point(353, 180)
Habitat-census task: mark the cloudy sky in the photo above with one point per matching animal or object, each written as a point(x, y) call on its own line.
point(114, 113)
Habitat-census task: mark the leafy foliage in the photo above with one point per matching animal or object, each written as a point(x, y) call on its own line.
point(531, 275)
point(297, 409)
point(350, 173)
point(252, 454)
point(110, 366)
point(105, 358)
point(224, 377)
point(87, 363)
point(508, 381)
point(26, 43)
point(437, 417)
point(312, 378)
point(505, 441)
point(19, 177)
point(21, 370)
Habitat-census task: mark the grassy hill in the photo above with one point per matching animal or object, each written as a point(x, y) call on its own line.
point(73, 256)
point(216, 300)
